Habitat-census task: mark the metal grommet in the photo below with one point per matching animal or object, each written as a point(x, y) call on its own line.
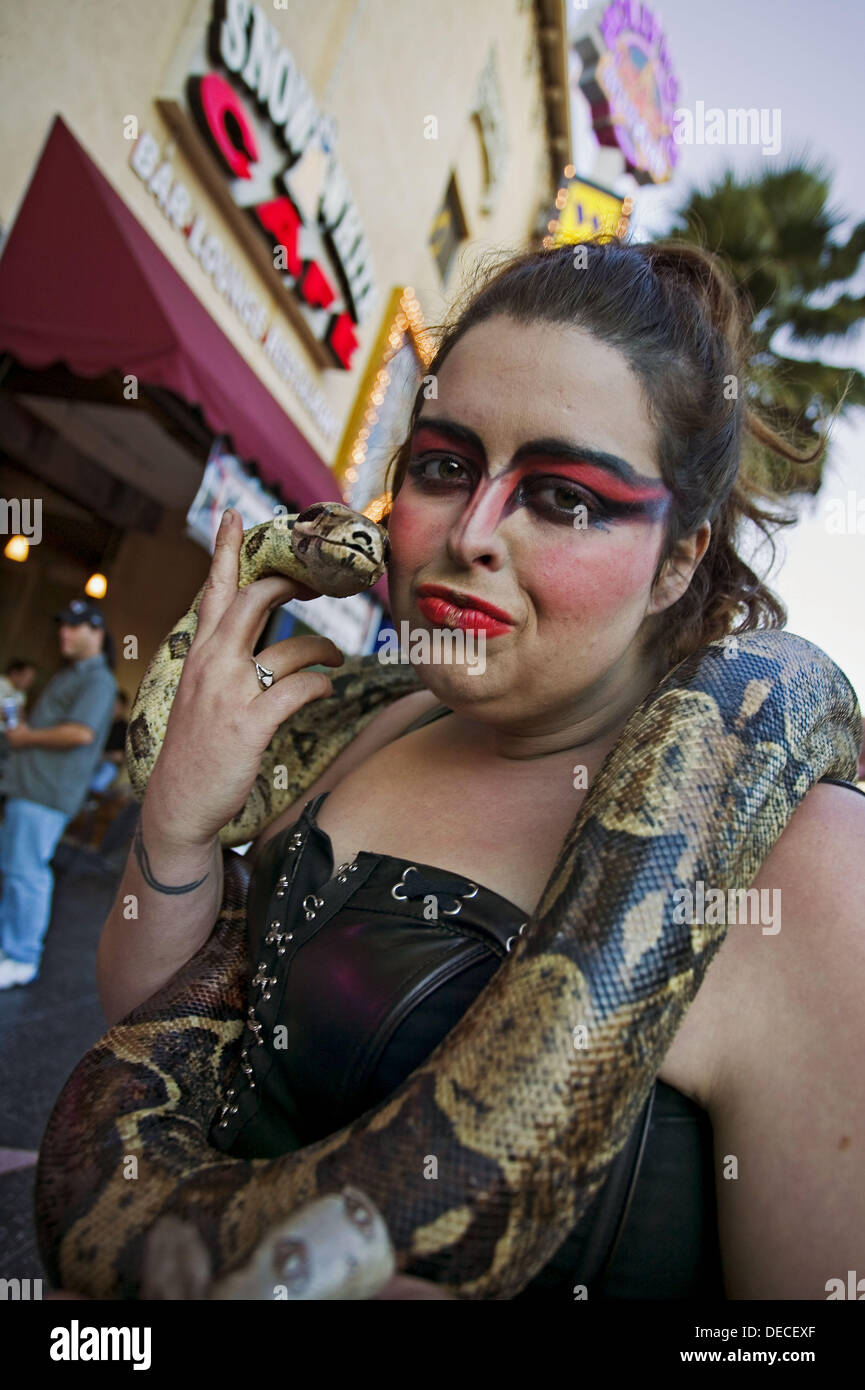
point(402, 897)
point(521, 931)
point(312, 900)
point(452, 911)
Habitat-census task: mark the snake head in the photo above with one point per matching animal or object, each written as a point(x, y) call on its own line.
point(343, 551)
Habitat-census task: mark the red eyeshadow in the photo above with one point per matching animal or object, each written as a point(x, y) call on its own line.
point(601, 481)
point(435, 439)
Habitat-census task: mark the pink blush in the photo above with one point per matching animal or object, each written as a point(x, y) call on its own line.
point(564, 583)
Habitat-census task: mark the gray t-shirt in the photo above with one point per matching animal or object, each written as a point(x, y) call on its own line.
point(84, 692)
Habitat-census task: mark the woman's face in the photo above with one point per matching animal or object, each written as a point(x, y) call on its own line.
point(532, 486)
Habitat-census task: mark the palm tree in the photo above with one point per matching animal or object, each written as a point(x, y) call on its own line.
point(776, 234)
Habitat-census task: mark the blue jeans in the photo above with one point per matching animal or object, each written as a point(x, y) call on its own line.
point(28, 839)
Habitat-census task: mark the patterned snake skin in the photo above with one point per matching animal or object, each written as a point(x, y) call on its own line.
point(524, 1124)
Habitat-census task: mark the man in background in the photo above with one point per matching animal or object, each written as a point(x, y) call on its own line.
point(49, 770)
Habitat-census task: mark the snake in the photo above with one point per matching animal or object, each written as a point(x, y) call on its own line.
point(524, 1124)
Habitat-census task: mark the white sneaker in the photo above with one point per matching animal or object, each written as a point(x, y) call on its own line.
point(14, 972)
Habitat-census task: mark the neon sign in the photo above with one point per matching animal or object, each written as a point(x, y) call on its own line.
point(275, 150)
point(630, 84)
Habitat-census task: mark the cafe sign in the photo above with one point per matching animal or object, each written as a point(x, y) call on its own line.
point(245, 116)
point(630, 85)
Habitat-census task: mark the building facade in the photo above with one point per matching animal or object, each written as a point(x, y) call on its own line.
point(226, 230)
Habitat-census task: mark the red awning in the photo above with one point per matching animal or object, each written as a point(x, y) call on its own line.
point(82, 282)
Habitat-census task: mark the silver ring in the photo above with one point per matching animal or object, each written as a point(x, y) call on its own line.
point(265, 677)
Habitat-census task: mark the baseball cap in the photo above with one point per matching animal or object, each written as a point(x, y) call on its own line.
point(81, 610)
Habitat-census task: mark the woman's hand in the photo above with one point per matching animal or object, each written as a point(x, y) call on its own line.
point(221, 720)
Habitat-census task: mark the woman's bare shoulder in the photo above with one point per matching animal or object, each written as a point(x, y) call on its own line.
point(788, 1096)
point(802, 915)
point(385, 726)
point(790, 937)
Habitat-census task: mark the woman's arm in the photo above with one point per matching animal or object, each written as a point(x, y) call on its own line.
point(164, 911)
point(221, 721)
point(788, 1100)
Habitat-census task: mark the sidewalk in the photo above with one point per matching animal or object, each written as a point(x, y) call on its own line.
point(45, 1028)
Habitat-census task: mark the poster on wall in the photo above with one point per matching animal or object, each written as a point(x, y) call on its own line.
point(352, 623)
point(226, 483)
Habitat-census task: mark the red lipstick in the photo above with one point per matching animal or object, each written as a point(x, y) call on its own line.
point(450, 608)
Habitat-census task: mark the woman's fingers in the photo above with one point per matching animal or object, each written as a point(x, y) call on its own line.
point(286, 697)
point(244, 622)
point(242, 613)
point(220, 587)
point(292, 685)
point(293, 653)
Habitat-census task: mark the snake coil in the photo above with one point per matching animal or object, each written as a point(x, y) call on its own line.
point(704, 778)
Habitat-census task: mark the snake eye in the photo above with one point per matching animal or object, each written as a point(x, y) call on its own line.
point(312, 512)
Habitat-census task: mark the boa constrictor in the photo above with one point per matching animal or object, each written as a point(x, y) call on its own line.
point(524, 1124)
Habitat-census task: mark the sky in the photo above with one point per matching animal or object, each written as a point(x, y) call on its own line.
point(804, 61)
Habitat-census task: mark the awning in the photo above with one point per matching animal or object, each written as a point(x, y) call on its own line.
point(83, 283)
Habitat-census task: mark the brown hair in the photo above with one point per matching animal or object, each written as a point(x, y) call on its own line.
point(683, 328)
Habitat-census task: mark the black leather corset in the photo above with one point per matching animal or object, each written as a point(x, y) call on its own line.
point(355, 981)
point(348, 968)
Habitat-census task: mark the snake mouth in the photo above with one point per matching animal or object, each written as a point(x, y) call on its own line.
point(303, 543)
point(351, 535)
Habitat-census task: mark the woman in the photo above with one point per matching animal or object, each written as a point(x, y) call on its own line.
point(576, 475)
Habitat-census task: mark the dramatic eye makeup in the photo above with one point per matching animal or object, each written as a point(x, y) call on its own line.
point(608, 487)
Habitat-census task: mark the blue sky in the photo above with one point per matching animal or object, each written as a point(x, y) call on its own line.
point(804, 60)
